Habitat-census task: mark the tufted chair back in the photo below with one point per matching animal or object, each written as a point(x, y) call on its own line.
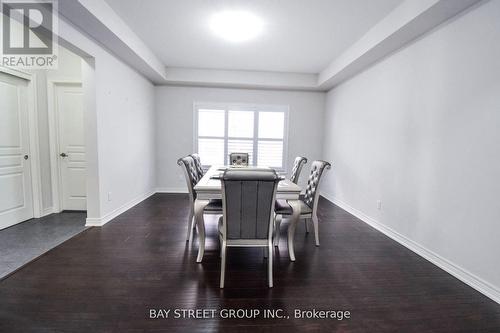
point(312, 193)
point(297, 168)
point(197, 163)
point(238, 159)
point(188, 166)
point(248, 203)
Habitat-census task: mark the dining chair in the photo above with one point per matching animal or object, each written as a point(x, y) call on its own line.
point(197, 163)
point(239, 159)
point(188, 166)
point(248, 198)
point(308, 204)
point(295, 175)
point(297, 168)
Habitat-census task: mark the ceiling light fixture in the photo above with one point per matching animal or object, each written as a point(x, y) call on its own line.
point(236, 26)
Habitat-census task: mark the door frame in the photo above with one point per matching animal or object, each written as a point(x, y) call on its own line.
point(54, 138)
point(33, 137)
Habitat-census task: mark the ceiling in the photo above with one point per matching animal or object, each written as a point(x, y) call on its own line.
point(300, 36)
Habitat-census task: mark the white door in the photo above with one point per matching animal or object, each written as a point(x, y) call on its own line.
point(71, 144)
point(16, 203)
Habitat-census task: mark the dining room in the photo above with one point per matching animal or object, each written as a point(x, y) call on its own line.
point(252, 166)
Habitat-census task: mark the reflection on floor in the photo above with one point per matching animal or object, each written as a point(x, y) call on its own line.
point(26, 241)
point(108, 279)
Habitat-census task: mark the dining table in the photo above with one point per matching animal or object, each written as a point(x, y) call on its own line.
point(209, 187)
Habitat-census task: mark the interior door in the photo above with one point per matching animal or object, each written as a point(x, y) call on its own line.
point(16, 202)
point(71, 142)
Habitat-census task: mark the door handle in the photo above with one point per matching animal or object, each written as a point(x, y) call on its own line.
point(26, 157)
point(63, 155)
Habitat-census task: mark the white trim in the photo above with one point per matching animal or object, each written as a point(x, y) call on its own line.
point(33, 137)
point(460, 273)
point(34, 146)
point(47, 211)
point(172, 190)
point(16, 72)
point(100, 221)
point(55, 168)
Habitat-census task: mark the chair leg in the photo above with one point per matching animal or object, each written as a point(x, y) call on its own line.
point(223, 265)
point(307, 227)
point(270, 265)
point(316, 229)
point(189, 236)
point(220, 236)
point(277, 226)
point(220, 246)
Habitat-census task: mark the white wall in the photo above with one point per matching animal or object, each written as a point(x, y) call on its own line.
point(126, 134)
point(174, 124)
point(420, 132)
point(120, 131)
point(69, 67)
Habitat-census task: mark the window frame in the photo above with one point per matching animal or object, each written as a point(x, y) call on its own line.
point(255, 108)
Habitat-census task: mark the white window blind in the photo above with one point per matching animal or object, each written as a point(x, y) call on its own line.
point(258, 130)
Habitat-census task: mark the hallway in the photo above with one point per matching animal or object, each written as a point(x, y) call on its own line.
point(26, 241)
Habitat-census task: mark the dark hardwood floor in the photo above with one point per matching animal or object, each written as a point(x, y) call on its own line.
point(107, 280)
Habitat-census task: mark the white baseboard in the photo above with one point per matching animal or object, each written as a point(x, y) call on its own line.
point(93, 222)
point(463, 275)
point(171, 190)
point(47, 211)
point(100, 221)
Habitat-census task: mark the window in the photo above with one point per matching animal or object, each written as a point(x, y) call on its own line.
point(259, 130)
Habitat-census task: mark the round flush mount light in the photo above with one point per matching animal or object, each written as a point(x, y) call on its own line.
point(236, 26)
